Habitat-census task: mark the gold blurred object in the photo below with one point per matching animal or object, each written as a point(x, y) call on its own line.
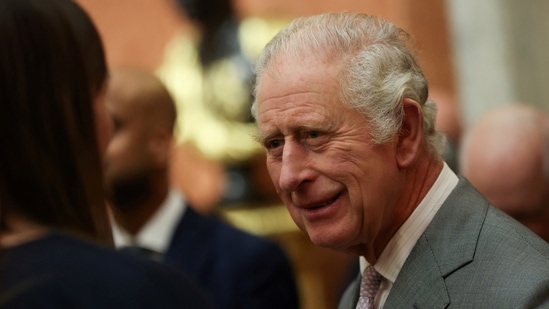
point(213, 103)
point(255, 33)
point(261, 221)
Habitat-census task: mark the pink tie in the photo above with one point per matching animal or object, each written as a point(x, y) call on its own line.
point(369, 285)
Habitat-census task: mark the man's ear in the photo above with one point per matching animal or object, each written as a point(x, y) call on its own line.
point(411, 133)
point(161, 146)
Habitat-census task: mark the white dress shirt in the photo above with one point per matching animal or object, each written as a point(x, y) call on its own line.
point(396, 252)
point(157, 233)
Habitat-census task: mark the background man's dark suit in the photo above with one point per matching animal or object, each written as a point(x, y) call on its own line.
point(462, 245)
point(215, 253)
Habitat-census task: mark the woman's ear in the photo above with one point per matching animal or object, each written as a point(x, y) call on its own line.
point(411, 133)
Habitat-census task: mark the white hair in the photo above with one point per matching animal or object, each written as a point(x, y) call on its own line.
point(376, 68)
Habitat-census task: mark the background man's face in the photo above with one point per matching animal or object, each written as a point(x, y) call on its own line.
point(127, 157)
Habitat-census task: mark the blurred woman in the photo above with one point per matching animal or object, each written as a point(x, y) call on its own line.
point(53, 223)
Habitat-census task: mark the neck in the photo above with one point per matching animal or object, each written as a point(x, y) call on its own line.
point(416, 183)
point(133, 217)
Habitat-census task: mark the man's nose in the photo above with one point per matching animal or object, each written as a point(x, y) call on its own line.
point(294, 166)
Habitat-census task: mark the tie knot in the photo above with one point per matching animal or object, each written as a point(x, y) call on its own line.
point(371, 280)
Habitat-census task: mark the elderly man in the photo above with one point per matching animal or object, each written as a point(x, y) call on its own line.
point(505, 155)
point(352, 151)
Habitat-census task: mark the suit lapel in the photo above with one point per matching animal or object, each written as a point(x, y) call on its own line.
point(188, 248)
point(420, 282)
point(447, 244)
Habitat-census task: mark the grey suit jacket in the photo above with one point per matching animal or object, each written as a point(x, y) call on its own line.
point(470, 256)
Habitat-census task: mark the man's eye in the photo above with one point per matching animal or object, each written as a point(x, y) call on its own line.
point(314, 134)
point(272, 144)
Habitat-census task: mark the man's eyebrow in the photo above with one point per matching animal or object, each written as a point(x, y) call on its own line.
point(260, 137)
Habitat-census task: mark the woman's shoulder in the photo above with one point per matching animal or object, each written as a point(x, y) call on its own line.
point(70, 271)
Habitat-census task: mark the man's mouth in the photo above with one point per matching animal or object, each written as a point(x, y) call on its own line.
point(323, 204)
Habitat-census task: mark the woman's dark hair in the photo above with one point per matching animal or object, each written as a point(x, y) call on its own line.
point(52, 66)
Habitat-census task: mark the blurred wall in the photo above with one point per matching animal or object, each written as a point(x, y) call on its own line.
point(136, 31)
point(501, 50)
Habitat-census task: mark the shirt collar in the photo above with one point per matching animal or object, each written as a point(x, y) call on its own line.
point(157, 233)
point(396, 252)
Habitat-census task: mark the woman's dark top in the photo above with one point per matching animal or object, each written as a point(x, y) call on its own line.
point(60, 271)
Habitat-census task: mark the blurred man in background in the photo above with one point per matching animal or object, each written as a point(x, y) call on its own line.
point(238, 270)
point(505, 154)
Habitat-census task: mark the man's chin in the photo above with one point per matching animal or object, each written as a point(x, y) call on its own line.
point(334, 241)
point(127, 194)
